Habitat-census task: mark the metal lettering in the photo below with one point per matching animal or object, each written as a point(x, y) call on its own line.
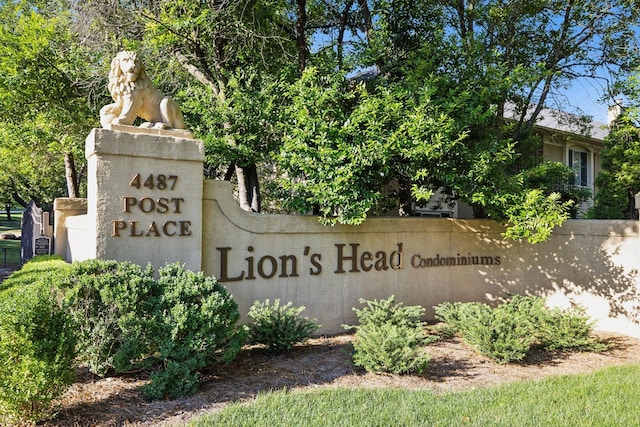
point(151, 206)
point(153, 230)
point(176, 203)
point(133, 225)
point(184, 228)
point(118, 226)
point(224, 264)
point(162, 205)
point(165, 228)
point(128, 202)
point(353, 258)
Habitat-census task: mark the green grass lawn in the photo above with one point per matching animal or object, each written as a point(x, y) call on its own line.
point(12, 246)
point(609, 397)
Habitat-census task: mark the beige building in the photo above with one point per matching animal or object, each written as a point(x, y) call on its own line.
point(576, 144)
point(566, 139)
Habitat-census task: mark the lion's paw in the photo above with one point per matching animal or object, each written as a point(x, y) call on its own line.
point(155, 125)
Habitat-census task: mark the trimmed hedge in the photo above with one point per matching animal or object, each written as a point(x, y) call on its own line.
point(112, 305)
point(110, 316)
point(507, 332)
point(197, 318)
point(37, 342)
point(278, 326)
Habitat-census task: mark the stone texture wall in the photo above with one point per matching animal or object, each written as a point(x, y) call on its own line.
point(144, 201)
point(419, 260)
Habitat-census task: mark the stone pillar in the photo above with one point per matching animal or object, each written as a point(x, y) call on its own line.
point(63, 208)
point(144, 197)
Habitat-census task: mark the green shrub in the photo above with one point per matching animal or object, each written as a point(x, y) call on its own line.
point(176, 324)
point(460, 314)
point(112, 304)
point(197, 320)
point(390, 337)
point(568, 330)
point(501, 336)
point(507, 332)
point(279, 326)
point(50, 267)
point(390, 348)
point(37, 343)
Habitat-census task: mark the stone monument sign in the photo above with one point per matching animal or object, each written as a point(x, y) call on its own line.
point(144, 201)
point(149, 204)
point(36, 232)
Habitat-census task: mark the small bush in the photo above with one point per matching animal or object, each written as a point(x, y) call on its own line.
point(458, 314)
point(37, 343)
point(390, 337)
point(43, 267)
point(390, 348)
point(112, 304)
point(175, 324)
point(197, 320)
point(568, 330)
point(501, 336)
point(279, 327)
point(507, 333)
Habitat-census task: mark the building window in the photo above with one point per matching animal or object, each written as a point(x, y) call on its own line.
point(578, 162)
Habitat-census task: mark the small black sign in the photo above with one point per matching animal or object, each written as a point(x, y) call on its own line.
point(42, 246)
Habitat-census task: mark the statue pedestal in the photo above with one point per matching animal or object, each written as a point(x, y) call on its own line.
point(144, 200)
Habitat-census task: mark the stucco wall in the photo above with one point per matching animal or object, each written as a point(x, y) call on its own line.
point(554, 153)
point(592, 263)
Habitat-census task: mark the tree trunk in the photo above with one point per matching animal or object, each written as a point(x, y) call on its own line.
point(71, 175)
point(301, 39)
point(7, 208)
point(248, 188)
point(478, 211)
point(366, 17)
point(230, 171)
point(404, 197)
point(253, 185)
point(19, 200)
point(343, 23)
point(243, 191)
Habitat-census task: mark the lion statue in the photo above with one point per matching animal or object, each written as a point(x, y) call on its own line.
point(135, 96)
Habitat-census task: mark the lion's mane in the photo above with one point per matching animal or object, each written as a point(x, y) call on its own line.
point(118, 84)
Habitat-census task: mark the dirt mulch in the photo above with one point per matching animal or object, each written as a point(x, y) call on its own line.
point(322, 362)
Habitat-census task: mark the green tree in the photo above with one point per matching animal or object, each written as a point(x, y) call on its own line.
point(224, 54)
point(451, 102)
point(619, 181)
point(489, 66)
point(43, 96)
point(344, 143)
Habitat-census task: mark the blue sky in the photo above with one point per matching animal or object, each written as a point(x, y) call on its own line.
point(585, 94)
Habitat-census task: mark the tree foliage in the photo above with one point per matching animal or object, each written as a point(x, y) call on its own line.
point(223, 53)
point(343, 143)
point(489, 67)
point(351, 106)
point(44, 96)
point(619, 181)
